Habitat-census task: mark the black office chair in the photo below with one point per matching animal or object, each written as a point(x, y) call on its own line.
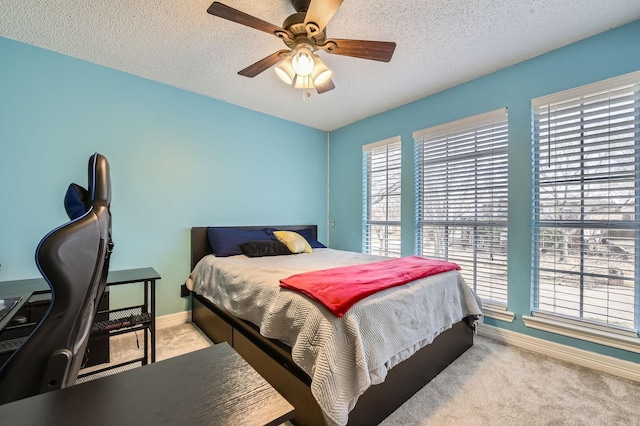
point(74, 260)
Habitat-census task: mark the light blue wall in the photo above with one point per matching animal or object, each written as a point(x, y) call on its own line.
point(177, 160)
point(180, 160)
point(603, 56)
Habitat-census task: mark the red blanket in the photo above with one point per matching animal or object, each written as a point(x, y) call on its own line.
point(340, 288)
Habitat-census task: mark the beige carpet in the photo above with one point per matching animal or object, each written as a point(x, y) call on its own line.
point(490, 384)
point(495, 384)
point(170, 342)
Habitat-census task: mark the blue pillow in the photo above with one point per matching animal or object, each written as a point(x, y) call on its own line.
point(226, 241)
point(75, 201)
point(307, 233)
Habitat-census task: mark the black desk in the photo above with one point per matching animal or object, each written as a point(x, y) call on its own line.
point(148, 276)
point(33, 285)
point(212, 386)
point(28, 287)
point(23, 288)
point(39, 285)
point(23, 297)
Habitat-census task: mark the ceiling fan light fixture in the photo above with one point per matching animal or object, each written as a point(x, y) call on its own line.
point(321, 73)
point(303, 60)
point(304, 32)
point(285, 70)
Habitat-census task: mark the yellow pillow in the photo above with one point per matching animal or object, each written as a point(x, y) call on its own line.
point(295, 242)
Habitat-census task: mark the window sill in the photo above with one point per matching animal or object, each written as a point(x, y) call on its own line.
point(498, 313)
point(583, 332)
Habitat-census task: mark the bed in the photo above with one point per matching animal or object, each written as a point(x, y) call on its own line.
point(286, 320)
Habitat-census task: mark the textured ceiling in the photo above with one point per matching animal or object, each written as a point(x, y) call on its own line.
point(439, 44)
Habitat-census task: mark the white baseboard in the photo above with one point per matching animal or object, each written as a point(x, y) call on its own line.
point(173, 319)
point(617, 367)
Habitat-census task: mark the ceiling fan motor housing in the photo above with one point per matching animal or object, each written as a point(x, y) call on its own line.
point(301, 5)
point(295, 25)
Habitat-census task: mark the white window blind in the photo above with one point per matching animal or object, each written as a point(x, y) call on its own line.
point(461, 199)
point(381, 177)
point(586, 178)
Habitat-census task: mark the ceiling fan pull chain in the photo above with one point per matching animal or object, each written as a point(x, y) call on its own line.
point(305, 89)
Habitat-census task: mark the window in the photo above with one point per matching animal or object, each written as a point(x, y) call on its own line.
point(586, 181)
point(381, 191)
point(461, 199)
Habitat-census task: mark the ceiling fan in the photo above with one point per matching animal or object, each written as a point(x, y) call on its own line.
point(304, 33)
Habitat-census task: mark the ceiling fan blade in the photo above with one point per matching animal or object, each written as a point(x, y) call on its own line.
point(365, 49)
point(325, 87)
point(234, 15)
point(320, 13)
point(264, 64)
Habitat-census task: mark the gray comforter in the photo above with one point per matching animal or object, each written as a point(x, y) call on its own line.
point(343, 356)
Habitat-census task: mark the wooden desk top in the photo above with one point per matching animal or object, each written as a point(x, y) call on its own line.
point(206, 387)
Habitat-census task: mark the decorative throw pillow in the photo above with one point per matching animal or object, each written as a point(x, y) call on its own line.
point(264, 248)
point(226, 241)
point(294, 241)
point(307, 233)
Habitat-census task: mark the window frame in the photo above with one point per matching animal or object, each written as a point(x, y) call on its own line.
point(393, 153)
point(481, 139)
point(571, 325)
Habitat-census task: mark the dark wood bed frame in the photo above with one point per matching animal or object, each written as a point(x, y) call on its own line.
point(272, 359)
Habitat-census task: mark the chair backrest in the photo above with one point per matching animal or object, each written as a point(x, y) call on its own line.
point(74, 260)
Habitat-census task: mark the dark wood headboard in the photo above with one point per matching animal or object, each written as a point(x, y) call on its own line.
point(200, 243)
